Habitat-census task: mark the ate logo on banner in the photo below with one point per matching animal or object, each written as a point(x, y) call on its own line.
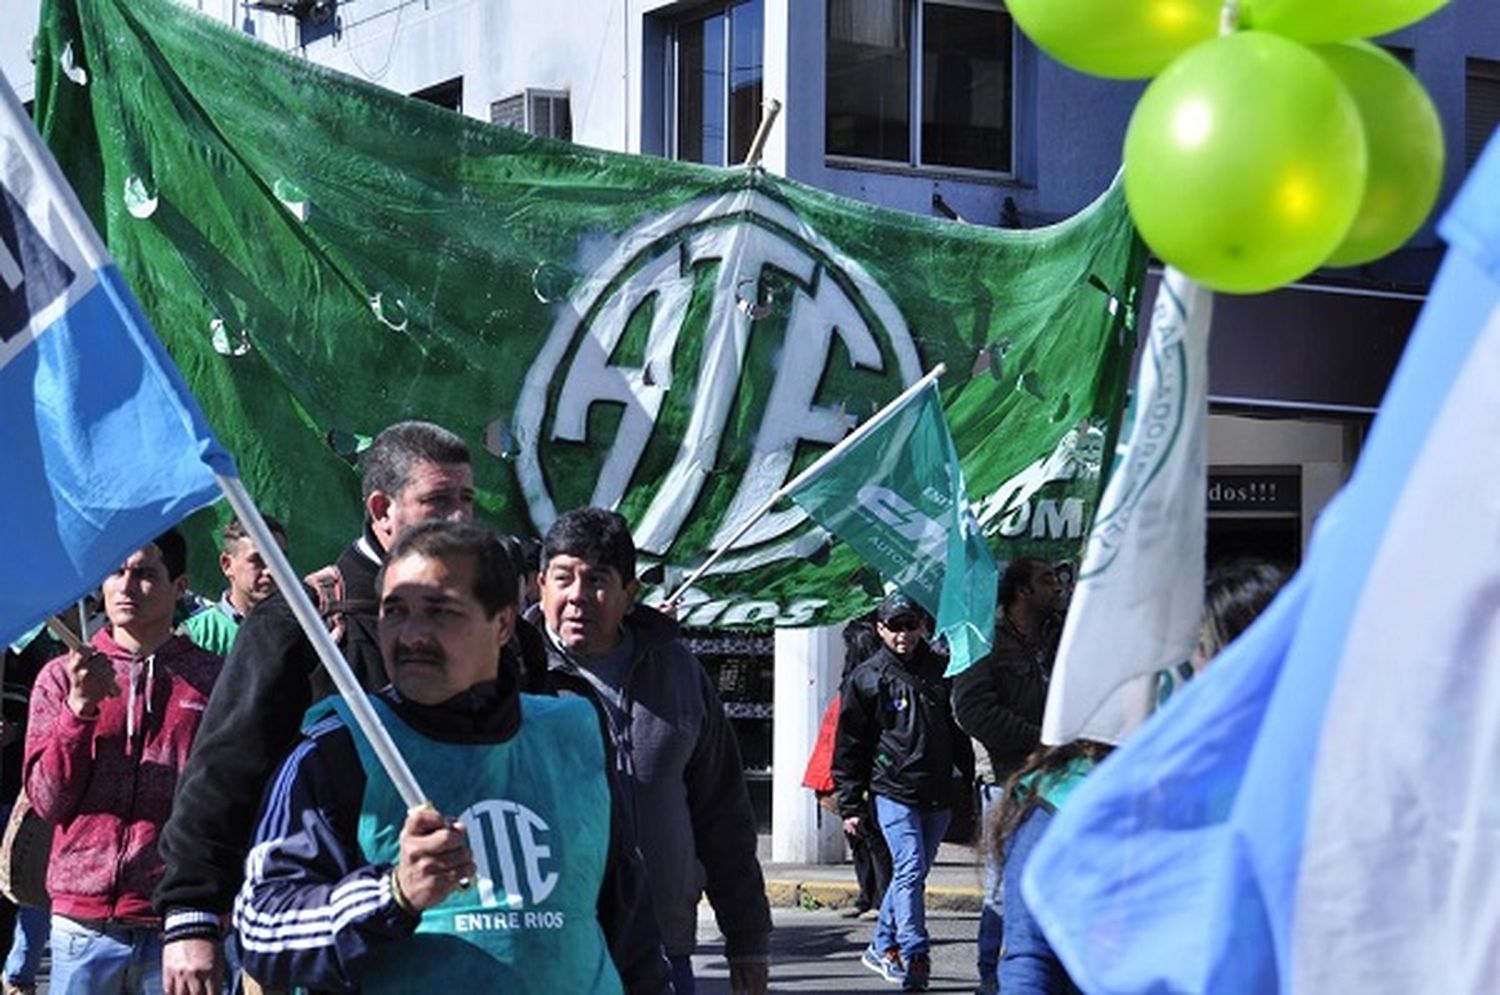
point(32, 275)
point(654, 270)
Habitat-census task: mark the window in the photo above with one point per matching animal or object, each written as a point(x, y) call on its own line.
point(717, 71)
point(1481, 107)
point(920, 83)
point(449, 94)
point(536, 112)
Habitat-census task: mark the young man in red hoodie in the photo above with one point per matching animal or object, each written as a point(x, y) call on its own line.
point(108, 734)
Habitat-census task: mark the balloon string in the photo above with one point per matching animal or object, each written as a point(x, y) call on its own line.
point(1229, 17)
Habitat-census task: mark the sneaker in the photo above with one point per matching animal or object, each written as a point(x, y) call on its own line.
point(853, 911)
point(918, 974)
point(888, 965)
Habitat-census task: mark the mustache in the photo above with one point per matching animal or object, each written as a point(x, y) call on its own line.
point(422, 653)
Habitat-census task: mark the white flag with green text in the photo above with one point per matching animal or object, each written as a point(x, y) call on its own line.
point(1139, 597)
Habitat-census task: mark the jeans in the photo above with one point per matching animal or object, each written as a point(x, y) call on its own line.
point(682, 975)
point(27, 945)
point(913, 836)
point(992, 915)
point(104, 959)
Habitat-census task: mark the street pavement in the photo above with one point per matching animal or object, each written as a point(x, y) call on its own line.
point(817, 951)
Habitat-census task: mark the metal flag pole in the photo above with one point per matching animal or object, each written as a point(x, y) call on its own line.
point(870, 424)
point(328, 653)
point(770, 109)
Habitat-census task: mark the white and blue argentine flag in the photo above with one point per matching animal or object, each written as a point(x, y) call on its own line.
point(1320, 812)
point(101, 445)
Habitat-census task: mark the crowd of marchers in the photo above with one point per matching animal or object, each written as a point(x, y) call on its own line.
point(218, 820)
point(215, 819)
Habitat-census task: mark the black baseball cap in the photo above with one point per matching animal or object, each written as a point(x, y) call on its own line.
point(897, 605)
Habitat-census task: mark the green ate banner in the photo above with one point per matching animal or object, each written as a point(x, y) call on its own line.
point(323, 258)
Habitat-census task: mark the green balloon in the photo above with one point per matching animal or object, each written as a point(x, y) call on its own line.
point(1404, 139)
point(1316, 21)
point(1245, 162)
point(1121, 39)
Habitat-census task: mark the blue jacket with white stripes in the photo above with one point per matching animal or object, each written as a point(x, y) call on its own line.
point(312, 912)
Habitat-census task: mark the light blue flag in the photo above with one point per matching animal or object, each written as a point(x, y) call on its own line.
point(1318, 813)
point(101, 445)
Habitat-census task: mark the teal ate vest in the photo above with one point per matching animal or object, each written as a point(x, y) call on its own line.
point(537, 811)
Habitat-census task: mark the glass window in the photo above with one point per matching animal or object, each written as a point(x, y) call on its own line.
point(718, 86)
point(869, 83)
point(746, 76)
point(965, 87)
point(961, 58)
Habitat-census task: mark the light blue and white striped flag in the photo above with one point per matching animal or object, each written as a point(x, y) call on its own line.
point(1139, 597)
point(1320, 811)
point(101, 444)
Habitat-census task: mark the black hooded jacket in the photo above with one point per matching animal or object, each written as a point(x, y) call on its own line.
point(897, 736)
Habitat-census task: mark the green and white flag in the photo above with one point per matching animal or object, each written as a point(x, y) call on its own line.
point(323, 257)
point(896, 495)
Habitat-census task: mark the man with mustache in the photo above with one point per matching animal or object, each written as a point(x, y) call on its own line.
point(347, 887)
point(672, 743)
point(413, 472)
point(250, 583)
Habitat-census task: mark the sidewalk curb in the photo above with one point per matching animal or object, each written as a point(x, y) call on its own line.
point(786, 893)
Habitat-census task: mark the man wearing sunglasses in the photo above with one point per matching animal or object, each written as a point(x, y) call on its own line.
point(897, 744)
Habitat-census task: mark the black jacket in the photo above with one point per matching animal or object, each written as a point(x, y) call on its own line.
point(270, 678)
point(896, 735)
point(320, 800)
point(1000, 699)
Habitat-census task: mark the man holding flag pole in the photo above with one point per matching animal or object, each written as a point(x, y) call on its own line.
point(106, 447)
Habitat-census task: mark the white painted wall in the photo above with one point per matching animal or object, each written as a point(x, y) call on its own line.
point(17, 28)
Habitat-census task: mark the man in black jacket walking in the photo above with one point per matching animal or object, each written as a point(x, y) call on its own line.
point(897, 742)
point(413, 472)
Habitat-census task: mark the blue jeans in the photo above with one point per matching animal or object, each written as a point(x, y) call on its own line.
point(913, 836)
point(103, 959)
point(27, 945)
point(682, 975)
point(992, 915)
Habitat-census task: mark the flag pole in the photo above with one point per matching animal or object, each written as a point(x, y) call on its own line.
point(870, 424)
point(328, 653)
point(769, 111)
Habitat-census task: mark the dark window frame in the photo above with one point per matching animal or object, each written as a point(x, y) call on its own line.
point(1485, 72)
point(916, 123)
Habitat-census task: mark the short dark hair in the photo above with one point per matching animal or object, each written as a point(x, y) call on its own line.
point(1017, 576)
point(395, 452)
point(235, 530)
point(592, 534)
point(494, 574)
point(173, 549)
point(515, 548)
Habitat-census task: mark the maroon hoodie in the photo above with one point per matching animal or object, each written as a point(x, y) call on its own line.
point(106, 783)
